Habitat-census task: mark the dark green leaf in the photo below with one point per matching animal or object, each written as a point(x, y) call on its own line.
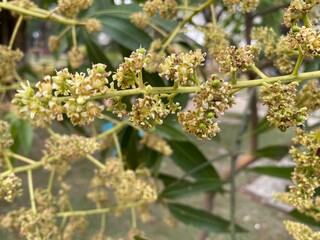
point(272, 152)
point(125, 33)
point(25, 134)
point(200, 218)
point(279, 172)
point(304, 218)
point(188, 157)
point(120, 11)
point(169, 132)
point(169, 179)
point(95, 52)
point(139, 238)
point(263, 126)
point(180, 189)
point(129, 147)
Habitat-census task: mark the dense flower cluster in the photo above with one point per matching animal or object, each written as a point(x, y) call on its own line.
point(249, 5)
point(93, 25)
point(148, 110)
point(215, 39)
point(54, 43)
point(296, 8)
point(43, 106)
point(127, 74)
point(300, 231)
point(234, 59)
point(76, 56)
point(140, 19)
point(306, 175)
point(156, 143)
point(281, 100)
point(307, 38)
point(166, 8)
point(279, 50)
point(10, 187)
point(309, 96)
point(6, 139)
point(71, 8)
point(181, 68)
point(213, 99)
point(156, 56)
point(60, 150)
point(128, 186)
point(8, 63)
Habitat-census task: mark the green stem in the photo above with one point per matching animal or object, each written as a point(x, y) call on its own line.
point(299, 62)
point(258, 72)
point(4, 88)
point(95, 161)
point(98, 211)
point(37, 14)
point(133, 218)
point(51, 179)
point(159, 30)
point(116, 128)
point(213, 15)
point(234, 78)
point(31, 192)
point(74, 36)
point(15, 31)
point(23, 168)
point(102, 221)
point(7, 160)
point(117, 144)
point(181, 24)
point(21, 158)
point(306, 20)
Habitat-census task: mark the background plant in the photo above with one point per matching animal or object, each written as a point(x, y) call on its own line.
point(120, 99)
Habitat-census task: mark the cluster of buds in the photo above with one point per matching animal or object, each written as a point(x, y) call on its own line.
point(249, 5)
point(297, 7)
point(156, 143)
point(308, 39)
point(98, 192)
point(306, 175)
point(301, 231)
point(156, 56)
point(10, 187)
point(167, 8)
point(309, 96)
point(71, 8)
point(150, 110)
point(62, 149)
point(76, 57)
point(75, 227)
point(140, 19)
point(6, 139)
point(127, 74)
point(93, 25)
point(75, 89)
point(8, 63)
point(54, 43)
point(236, 59)
point(281, 100)
point(213, 99)
point(181, 68)
point(128, 186)
point(216, 39)
point(279, 50)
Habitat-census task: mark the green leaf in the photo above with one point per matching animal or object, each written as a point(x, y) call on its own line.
point(139, 238)
point(169, 179)
point(272, 152)
point(95, 52)
point(263, 126)
point(189, 158)
point(169, 132)
point(201, 219)
point(25, 134)
point(123, 11)
point(125, 33)
point(180, 189)
point(304, 218)
point(279, 172)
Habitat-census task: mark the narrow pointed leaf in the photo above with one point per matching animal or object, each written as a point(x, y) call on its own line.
point(180, 189)
point(201, 219)
point(272, 152)
point(274, 171)
point(169, 132)
point(189, 158)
